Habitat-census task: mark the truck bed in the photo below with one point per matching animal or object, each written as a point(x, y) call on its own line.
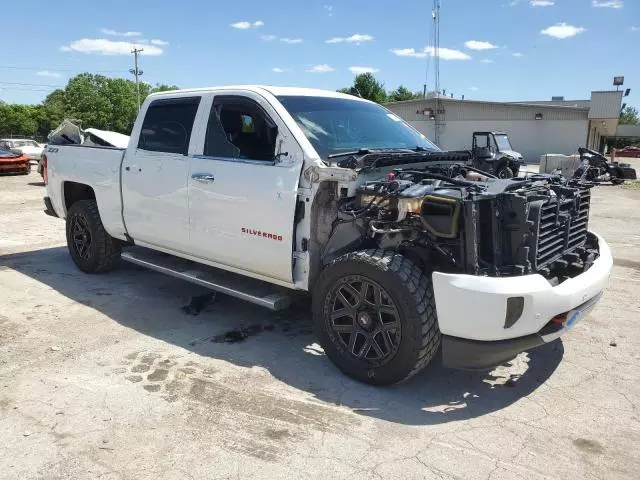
point(88, 165)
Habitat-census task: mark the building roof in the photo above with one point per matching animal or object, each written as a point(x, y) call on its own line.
point(484, 102)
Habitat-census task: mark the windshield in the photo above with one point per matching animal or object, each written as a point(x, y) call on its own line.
point(503, 142)
point(335, 125)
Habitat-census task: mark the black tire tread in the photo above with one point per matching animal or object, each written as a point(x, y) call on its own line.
point(109, 248)
point(418, 285)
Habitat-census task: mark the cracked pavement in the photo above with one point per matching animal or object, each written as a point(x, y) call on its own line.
point(106, 377)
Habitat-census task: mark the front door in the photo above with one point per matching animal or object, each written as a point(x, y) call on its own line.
point(155, 175)
point(243, 188)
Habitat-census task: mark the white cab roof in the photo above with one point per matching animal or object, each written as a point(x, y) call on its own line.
point(276, 91)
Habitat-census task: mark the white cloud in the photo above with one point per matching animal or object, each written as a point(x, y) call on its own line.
point(542, 3)
point(280, 70)
point(474, 89)
point(359, 70)
point(47, 73)
point(102, 46)
point(291, 40)
point(356, 38)
point(247, 25)
point(562, 30)
point(322, 68)
point(160, 43)
point(608, 4)
point(479, 45)
point(518, 54)
point(115, 33)
point(408, 52)
point(328, 9)
point(268, 38)
point(444, 53)
point(447, 53)
point(487, 60)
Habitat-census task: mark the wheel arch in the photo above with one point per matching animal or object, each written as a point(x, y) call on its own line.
point(73, 192)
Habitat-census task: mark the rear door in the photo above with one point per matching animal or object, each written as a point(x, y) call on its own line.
point(155, 175)
point(243, 187)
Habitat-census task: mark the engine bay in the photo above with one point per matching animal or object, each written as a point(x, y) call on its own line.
point(455, 218)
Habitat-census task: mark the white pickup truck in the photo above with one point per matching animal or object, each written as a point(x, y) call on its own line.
point(257, 192)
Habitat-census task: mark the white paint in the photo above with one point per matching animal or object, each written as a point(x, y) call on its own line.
point(474, 307)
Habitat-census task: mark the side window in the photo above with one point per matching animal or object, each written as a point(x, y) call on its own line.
point(239, 128)
point(168, 124)
point(483, 141)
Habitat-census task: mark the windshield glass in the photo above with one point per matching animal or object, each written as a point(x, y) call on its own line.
point(335, 125)
point(503, 142)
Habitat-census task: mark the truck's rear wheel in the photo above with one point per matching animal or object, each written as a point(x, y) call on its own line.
point(374, 315)
point(92, 249)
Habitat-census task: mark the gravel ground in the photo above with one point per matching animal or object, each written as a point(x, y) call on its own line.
point(105, 377)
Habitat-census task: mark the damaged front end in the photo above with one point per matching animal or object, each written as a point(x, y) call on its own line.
point(454, 218)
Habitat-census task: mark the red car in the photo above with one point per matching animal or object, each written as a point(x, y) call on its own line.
point(12, 162)
point(628, 152)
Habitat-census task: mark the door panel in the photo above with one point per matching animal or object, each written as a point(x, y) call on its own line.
point(154, 195)
point(244, 217)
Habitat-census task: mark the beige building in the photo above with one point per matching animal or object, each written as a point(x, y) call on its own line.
point(534, 128)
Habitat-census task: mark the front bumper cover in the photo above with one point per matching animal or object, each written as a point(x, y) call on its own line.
point(472, 310)
point(473, 354)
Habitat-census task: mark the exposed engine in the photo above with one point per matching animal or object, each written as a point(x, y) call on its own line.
point(457, 218)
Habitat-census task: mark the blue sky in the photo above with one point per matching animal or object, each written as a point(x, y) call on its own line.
point(491, 49)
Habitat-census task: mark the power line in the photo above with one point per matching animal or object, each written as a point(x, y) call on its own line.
point(32, 84)
point(25, 89)
point(11, 67)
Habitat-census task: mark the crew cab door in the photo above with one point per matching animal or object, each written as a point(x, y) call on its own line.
point(243, 187)
point(155, 174)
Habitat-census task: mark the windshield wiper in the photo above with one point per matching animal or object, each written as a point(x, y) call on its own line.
point(360, 151)
point(382, 150)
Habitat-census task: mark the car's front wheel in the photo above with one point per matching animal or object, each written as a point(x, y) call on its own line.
point(92, 249)
point(375, 316)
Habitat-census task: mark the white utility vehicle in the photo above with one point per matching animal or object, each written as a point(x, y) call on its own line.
point(260, 191)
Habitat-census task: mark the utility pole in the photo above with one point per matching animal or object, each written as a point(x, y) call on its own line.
point(435, 15)
point(136, 71)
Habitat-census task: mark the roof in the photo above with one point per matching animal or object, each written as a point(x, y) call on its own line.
point(276, 91)
point(484, 102)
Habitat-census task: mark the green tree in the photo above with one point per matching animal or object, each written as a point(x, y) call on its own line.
point(366, 86)
point(629, 115)
point(402, 93)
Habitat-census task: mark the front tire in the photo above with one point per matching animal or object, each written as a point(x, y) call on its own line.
point(92, 249)
point(374, 315)
point(505, 172)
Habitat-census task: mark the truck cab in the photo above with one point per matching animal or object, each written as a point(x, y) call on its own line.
point(492, 152)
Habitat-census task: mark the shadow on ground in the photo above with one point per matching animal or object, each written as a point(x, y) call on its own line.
point(282, 343)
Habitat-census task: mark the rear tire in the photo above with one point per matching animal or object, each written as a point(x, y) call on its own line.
point(384, 345)
point(92, 249)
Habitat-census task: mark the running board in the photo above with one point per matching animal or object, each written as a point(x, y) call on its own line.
point(245, 288)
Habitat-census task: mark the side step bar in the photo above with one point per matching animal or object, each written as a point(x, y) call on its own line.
point(239, 286)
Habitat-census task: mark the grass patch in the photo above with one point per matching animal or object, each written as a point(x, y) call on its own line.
point(631, 185)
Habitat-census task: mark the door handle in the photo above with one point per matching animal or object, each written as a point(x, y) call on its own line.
point(203, 177)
